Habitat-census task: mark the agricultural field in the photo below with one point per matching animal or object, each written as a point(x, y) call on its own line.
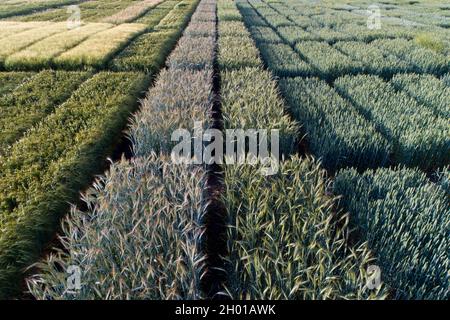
point(121, 154)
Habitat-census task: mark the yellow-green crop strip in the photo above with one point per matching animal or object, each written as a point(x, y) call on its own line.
point(41, 54)
point(8, 28)
point(16, 42)
point(45, 169)
point(97, 49)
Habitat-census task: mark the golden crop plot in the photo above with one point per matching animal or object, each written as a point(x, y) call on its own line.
point(42, 52)
point(98, 48)
point(9, 28)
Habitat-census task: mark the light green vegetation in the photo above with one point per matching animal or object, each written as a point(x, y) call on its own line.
point(100, 47)
point(42, 53)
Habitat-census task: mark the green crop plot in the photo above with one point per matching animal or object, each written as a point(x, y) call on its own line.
point(41, 53)
point(347, 109)
point(99, 48)
point(32, 101)
point(9, 81)
point(37, 182)
point(384, 204)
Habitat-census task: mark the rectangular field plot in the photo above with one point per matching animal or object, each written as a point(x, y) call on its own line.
point(91, 11)
point(45, 169)
point(132, 12)
point(41, 53)
point(11, 80)
point(97, 49)
point(53, 45)
point(423, 59)
point(34, 100)
point(9, 28)
point(420, 137)
point(10, 8)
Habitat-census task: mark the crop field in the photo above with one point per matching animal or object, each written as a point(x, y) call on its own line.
point(121, 154)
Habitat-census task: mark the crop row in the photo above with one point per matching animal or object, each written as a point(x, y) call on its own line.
point(427, 90)
point(10, 28)
point(34, 100)
point(89, 45)
point(9, 81)
point(152, 17)
point(132, 12)
point(53, 161)
point(335, 130)
point(156, 207)
point(423, 59)
point(15, 9)
point(94, 44)
point(278, 247)
point(405, 220)
point(391, 53)
point(91, 11)
point(419, 137)
point(374, 60)
point(148, 51)
point(41, 53)
point(323, 26)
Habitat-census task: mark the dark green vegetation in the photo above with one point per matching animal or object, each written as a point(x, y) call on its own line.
point(405, 219)
point(337, 133)
point(11, 80)
point(21, 109)
point(373, 123)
